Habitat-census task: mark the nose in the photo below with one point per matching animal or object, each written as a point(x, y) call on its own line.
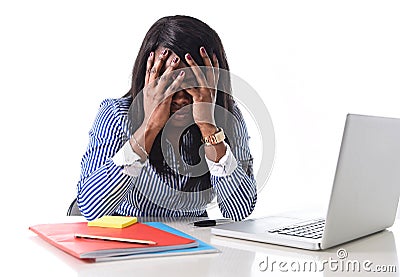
point(181, 99)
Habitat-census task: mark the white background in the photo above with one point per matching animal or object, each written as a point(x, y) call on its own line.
point(312, 62)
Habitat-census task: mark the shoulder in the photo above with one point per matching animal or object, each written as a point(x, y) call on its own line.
point(238, 135)
point(236, 111)
point(117, 106)
point(112, 113)
point(238, 119)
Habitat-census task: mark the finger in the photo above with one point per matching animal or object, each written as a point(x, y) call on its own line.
point(167, 75)
point(175, 85)
point(196, 70)
point(216, 70)
point(209, 68)
point(155, 70)
point(149, 64)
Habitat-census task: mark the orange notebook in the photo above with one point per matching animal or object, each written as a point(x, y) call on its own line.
point(63, 236)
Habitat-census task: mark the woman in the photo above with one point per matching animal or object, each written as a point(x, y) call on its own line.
point(146, 154)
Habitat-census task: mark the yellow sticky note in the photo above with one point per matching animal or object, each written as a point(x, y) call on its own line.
point(113, 221)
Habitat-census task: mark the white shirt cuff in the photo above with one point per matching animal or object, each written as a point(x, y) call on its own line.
point(225, 166)
point(128, 158)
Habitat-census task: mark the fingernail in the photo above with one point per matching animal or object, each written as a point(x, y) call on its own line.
point(164, 52)
point(182, 73)
point(189, 57)
point(203, 50)
point(175, 60)
point(151, 54)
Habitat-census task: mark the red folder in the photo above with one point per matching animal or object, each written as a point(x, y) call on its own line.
point(63, 236)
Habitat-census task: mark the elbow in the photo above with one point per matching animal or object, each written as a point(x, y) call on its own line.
point(241, 210)
point(88, 211)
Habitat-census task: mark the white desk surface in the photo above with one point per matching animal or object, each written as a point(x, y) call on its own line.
point(26, 254)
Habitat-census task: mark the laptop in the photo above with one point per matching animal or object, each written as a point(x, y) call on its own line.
point(364, 196)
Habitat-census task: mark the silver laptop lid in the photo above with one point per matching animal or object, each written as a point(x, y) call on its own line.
point(366, 187)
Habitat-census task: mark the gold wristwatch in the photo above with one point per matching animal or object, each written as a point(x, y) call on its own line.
point(214, 139)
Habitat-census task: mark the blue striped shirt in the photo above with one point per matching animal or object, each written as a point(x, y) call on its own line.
point(103, 188)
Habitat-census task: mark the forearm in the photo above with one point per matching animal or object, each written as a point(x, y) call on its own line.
point(142, 140)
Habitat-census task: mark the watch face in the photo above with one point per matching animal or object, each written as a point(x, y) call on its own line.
point(216, 138)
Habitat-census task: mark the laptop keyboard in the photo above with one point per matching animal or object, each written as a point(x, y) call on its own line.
point(310, 229)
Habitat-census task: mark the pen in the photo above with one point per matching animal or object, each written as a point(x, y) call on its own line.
point(211, 222)
point(138, 241)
